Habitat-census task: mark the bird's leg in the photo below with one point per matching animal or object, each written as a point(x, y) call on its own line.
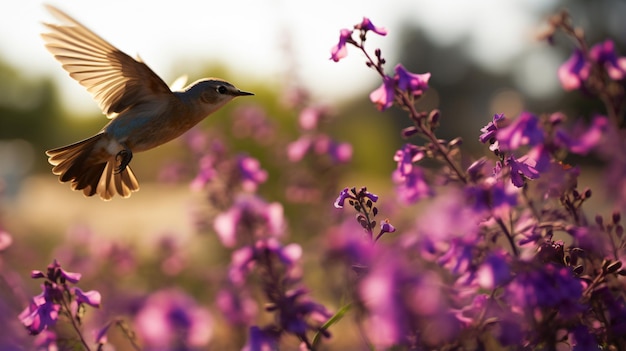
point(124, 157)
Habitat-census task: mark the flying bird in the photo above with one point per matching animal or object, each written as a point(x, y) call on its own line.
point(144, 111)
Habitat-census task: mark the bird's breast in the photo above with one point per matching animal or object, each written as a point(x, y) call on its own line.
point(145, 129)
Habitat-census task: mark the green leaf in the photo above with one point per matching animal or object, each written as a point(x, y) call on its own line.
point(332, 320)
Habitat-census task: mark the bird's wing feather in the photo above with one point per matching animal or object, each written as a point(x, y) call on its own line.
point(115, 80)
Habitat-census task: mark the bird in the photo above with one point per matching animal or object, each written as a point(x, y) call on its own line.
point(144, 111)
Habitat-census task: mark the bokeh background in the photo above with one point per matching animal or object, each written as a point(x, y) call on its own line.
point(484, 57)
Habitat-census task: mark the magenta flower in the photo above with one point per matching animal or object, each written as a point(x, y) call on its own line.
point(521, 168)
point(262, 339)
point(583, 138)
point(91, 298)
point(170, 318)
point(546, 287)
point(236, 305)
point(340, 152)
point(45, 308)
point(246, 258)
point(574, 72)
point(415, 84)
point(251, 173)
point(352, 194)
point(366, 25)
point(252, 217)
point(398, 297)
point(340, 51)
point(343, 196)
point(386, 227)
point(494, 271)
point(296, 150)
point(42, 312)
point(411, 187)
point(206, 173)
point(604, 54)
point(5, 240)
point(489, 131)
point(490, 196)
point(55, 272)
point(384, 96)
point(405, 158)
point(525, 130)
point(310, 117)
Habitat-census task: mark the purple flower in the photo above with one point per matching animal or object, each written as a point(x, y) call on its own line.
point(489, 131)
point(411, 187)
point(170, 318)
point(398, 296)
point(251, 173)
point(340, 152)
point(604, 54)
point(297, 311)
point(46, 340)
point(91, 298)
point(55, 272)
point(236, 305)
point(386, 227)
point(44, 309)
point(262, 339)
point(405, 158)
point(206, 173)
point(340, 51)
point(520, 168)
point(343, 196)
point(547, 287)
point(5, 240)
point(310, 117)
point(415, 84)
point(574, 72)
point(42, 312)
point(344, 243)
point(366, 25)
point(583, 139)
point(525, 130)
point(384, 96)
point(297, 149)
point(249, 216)
point(246, 258)
point(494, 271)
point(491, 195)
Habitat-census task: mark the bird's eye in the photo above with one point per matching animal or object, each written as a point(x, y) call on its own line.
point(222, 89)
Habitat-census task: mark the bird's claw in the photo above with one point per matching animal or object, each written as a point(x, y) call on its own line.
point(124, 157)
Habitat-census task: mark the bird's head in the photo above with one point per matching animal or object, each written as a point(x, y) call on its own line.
point(213, 93)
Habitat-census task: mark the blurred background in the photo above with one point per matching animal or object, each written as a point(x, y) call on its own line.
point(484, 57)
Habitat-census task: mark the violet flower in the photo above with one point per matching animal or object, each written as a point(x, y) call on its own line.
point(574, 72)
point(249, 218)
point(521, 168)
point(525, 130)
point(340, 51)
point(384, 96)
point(583, 138)
point(170, 318)
point(604, 54)
point(414, 84)
point(367, 25)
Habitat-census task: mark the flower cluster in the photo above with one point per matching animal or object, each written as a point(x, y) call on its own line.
point(58, 300)
point(557, 295)
point(505, 250)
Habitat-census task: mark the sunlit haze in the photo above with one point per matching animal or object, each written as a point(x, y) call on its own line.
point(250, 36)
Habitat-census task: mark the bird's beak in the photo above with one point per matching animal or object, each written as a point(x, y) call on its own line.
point(242, 93)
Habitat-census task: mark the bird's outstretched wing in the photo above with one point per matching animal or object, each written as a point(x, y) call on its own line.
point(115, 80)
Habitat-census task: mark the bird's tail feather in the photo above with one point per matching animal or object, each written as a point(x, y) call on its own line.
point(92, 170)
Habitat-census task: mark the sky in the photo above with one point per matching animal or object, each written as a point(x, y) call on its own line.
point(249, 36)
